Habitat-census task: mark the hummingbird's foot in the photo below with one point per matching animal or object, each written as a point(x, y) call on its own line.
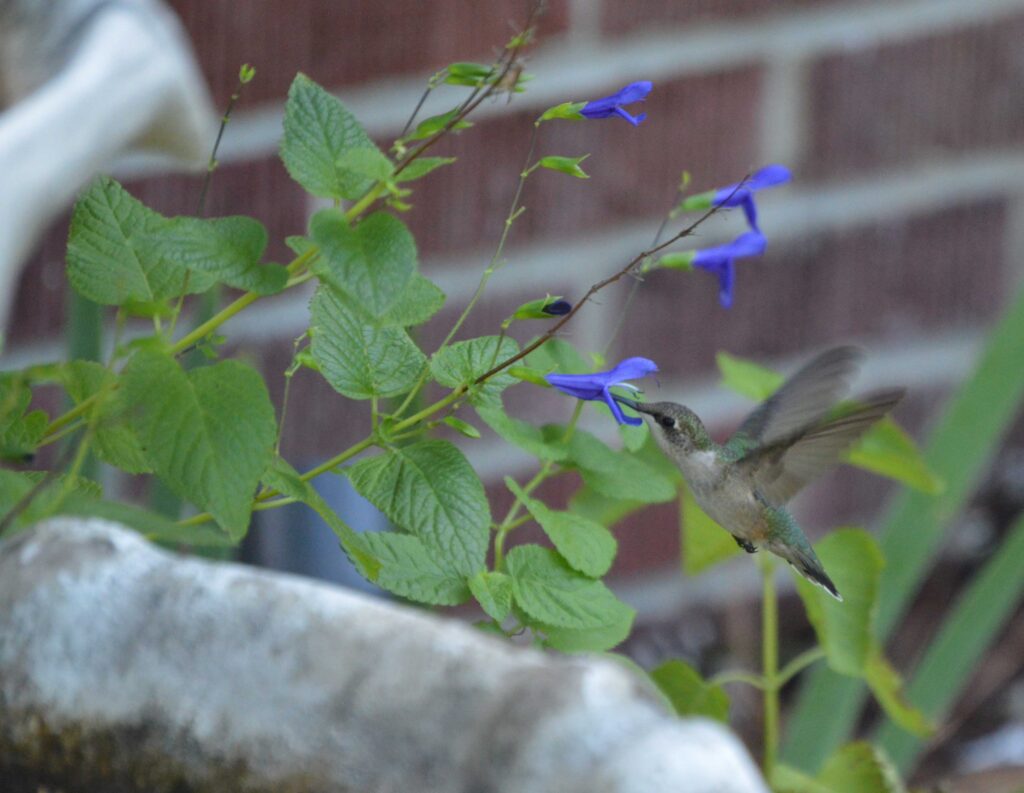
point(747, 546)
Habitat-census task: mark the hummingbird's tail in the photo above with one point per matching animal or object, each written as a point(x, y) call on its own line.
point(809, 566)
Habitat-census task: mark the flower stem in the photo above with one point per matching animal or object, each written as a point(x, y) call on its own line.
point(770, 663)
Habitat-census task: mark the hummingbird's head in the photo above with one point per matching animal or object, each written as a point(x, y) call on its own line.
point(676, 427)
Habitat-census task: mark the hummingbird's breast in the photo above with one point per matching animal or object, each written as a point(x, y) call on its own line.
point(722, 494)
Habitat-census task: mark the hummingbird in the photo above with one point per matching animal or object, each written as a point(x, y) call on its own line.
point(787, 441)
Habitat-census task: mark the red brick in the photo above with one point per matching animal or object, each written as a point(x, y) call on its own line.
point(341, 43)
point(619, 18)
point(898, 277)
point(705, 124)
point(917, 100)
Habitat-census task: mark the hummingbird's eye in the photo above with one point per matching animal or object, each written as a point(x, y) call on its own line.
point(667, 422)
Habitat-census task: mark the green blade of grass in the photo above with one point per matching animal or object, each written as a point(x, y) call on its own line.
point(979, 614)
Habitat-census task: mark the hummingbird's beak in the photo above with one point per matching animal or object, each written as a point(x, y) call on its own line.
point(639, 407)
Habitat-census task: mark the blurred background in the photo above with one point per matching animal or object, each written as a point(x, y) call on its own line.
point(903, 231)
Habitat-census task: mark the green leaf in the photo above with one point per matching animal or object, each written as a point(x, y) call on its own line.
point(786, 779)
point(358, 359)
point(587, 546)
point(110, 258)
point(371, 264)
point(462, 427)
point(434, 124)
point(634, 436)
point(114, 438)
point(493, 591)
point(286, 481)
point(319, 131)
point(600, 508)
point(371, 163)
point(854, 563)
point(566, 110)
point(429, 489)
point(886, 449)
point(417, 303)
point(566, 165)
point(410, 569)
point(462, 362)
point(704, 542)
point(550, 591)
point(20, 432)
point(887, 686)
point(421, 166)
point(846, 630)
point(689, 693)
point(860, 768)
point(209, 433)
point(616, 474)
point(589, 640)
point(748, 378)
point(226, 249)
point(520, 433)
point(45, 488)
point(468, 74)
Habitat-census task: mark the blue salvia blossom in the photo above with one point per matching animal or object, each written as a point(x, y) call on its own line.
point(557, 308)
point(613, 105)
point(597, 386)
point(741, 194)
point(720, 260)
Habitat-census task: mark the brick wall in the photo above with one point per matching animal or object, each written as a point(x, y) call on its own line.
point(904, 229)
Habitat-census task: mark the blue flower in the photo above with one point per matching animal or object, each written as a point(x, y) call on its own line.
point(612, 105)
point(742, 193)
point(720, 260)
point(598, 385)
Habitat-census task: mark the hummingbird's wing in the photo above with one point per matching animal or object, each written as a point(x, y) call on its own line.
point(802, 401)
point(780, 469)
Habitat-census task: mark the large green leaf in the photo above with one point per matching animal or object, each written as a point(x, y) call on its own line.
point(417, 303)
point(704, 542)
point(616, 474)
point(226, 249)
point(287, 481)
point(110, 257)
point(587, 546)
point(520, 433)
point(689, 693)
point(359, 359)
point(748, 378)
point(410, 569)
point(887, 450)
point(588, 640)
point(846, 630)
point(429, 489)
point(209, 434)
point(114, 438)
point(464, 361)
point(551, 592)
point(320, 135)
point(371, 264)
